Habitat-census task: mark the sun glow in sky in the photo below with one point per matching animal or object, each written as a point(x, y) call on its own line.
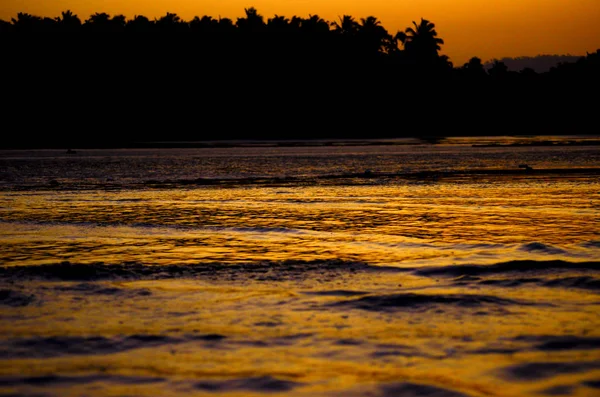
point(486, 29)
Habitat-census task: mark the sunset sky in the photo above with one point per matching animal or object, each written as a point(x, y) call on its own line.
point(487, 29)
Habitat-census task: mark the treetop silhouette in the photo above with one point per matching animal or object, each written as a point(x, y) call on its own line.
point(279, 77)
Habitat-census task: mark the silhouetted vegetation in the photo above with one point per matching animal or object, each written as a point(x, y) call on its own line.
point(539, 63)
point(109, 80)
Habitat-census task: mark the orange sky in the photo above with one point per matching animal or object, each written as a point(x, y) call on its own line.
point(484, 28)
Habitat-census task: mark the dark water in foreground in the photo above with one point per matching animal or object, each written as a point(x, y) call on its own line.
point(416, 270)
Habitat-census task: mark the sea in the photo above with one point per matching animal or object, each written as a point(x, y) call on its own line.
point(450, 268)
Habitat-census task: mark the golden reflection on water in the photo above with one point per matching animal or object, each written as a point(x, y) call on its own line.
point(286, 329)
point(327, 331)
point(375, 224)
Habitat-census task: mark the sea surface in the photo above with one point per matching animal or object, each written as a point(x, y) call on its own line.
point(468, 267)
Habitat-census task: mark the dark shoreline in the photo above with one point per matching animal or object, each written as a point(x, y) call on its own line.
point(353, 142)
point(541, 143)
point(519, 141)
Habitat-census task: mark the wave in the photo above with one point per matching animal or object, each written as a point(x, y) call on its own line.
point(274, 270)
point(336, 293)
point(262, 384)
point(351, 178)
point(516, 266)
point(57, 346)
point(403, 389)
point(544, 343)
point(515, 274)
point(584, 282)
point(98, 289)
point(57, 380)
point(66, 271)
point(591, 244)
point(543, 370)
point(567, 342)
point(392, 302)
point(541, 248)
point(28, 225)
point(595, 384)
point(15, 298)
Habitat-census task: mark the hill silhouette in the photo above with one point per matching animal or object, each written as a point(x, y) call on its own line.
point(539, 63)
point(111, 81)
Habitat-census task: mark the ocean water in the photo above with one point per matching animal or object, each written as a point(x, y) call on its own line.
point(338, 269)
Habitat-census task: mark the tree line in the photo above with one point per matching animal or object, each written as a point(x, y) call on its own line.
point(125, 80)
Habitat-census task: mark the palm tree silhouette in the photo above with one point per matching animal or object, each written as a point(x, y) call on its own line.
point(204, 25)
point(421, 42)
point(314, 24)
point(68, 21)
point(345, 31)
point(278, 24)
point(102, 22)
point(372, 36)
point(346, 26)
point(171, 23)
point(99, 19)
point(253, 22)
point(27, 23)
point(139, 24)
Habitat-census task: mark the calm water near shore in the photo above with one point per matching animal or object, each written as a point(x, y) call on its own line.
point(346, 269)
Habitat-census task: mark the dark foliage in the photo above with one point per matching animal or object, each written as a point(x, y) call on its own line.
point(110, 81)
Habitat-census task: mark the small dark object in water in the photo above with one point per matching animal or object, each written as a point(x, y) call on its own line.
point(525, 166)
point(71, 151)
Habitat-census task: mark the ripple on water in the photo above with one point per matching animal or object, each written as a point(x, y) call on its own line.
point(562, 342)
point(15, 298)
point(536, 247)
point(402, 389)
point(263, 384)
point(66, 271)
point(57, 346)
point(93, 288)
point(392, 302)
point(54, 380)
point(536, 371)
point(517, 266)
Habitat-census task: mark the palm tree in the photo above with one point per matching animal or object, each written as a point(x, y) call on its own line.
point(370, 22)
point(99, 18)
point(68, 21)
point(226, 25)
point(139, 24)
point(295, 23)
point(204, 25)
point(421, 42)
point(253, 22)
point(346, 26)
point(373, 37)
point(118, 22)
point(278, 24)
point(171, 23)
point(345, 33)
point(98, 22)
point(314, 24)
point(27, 23)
